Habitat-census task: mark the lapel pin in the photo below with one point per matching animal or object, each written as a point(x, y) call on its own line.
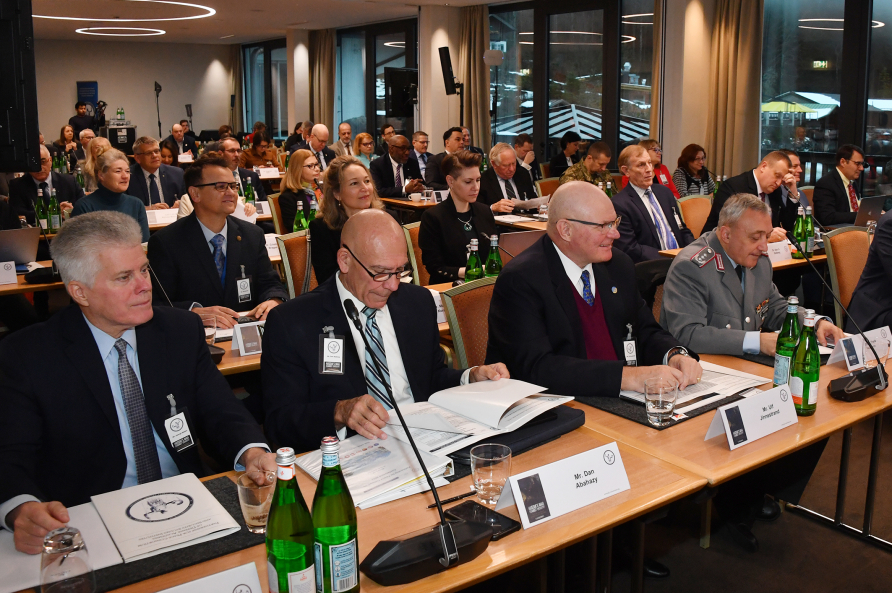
point(238, 237)
point(614, 290)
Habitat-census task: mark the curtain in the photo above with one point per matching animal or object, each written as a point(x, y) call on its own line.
point(735, 77)
point(474, 73)
point(236, 74)
point(322, 76)
point(656, 77)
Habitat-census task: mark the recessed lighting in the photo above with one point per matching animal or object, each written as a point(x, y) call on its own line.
point(399, 44)
point(228, 36)
point(210, 12)
point(874, 24)
point(95, 31)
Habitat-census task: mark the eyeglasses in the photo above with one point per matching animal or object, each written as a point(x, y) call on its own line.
point(699, 158)
point(382, 276)
point(368, 144)
point(863, 164)
point(220, 186)
point(263, 146)
point(422, 141)
point(657, 150)
point(312, 166)
point(608, 226)
point(156, 151)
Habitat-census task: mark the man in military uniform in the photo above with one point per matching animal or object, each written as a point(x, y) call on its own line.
point(593, 168)
point(719, 293)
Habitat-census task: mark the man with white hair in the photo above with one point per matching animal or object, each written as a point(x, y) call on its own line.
point(504, 186)
point(85, 136)
point(343, 145)
point(316, 143)
point(23, 190)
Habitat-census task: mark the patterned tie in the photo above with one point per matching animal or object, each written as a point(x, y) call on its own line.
point(375, 382)
point(663, 231)
point(347, 148)
point(154, 196)
point(397, 178)
point(587, 289)
point(321, 162)
point(239, 181)
point(853, 197)
point(509, 189)
point(148, 468)
point(219, 259)
point(424, 156)
point(762, 196)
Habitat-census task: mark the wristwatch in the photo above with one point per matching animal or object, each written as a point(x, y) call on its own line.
point(676, 350)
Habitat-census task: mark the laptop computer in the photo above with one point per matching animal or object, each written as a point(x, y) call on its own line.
point(19, 245)
point(870, 209)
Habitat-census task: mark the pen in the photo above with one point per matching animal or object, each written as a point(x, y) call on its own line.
point(454, 498)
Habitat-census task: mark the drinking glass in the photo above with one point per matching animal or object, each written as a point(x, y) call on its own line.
point(427, 195)
point(881, 345)
point(255, 501)
point(659, 397)
point(490, 468)
point(65, 564)
point(543, 211)
point(210, 328)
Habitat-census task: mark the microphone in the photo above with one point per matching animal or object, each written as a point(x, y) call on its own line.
point(164, 292)
point(410, 559)
point(857, 385)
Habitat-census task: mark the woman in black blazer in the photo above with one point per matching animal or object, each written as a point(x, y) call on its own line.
point(303, 170)
point(447, 228)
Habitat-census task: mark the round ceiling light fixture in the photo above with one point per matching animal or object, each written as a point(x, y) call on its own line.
point(208, 12)
point(633, 16)
point(873, 25)
point(129, 31)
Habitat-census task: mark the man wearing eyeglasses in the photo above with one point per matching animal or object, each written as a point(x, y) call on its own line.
point(396, 175)
point(836, 196)
point(231, 153)
point(419, 153)
point(23, 190)
point(159, 186)
point(304, 399)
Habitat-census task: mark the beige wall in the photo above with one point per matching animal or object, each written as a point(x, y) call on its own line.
point(298, 44)
point(438, 26)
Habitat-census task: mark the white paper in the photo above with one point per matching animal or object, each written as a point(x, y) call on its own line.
point(262, 207)
point(761, 414)
point(268, 172)
point(35, 266)
point(511, 219)
point(779, 251)
point(184, 158)
point(240, 214)
point(415, 487)
point(272, 246)
point(484, 401)
point(872, 335)
point(165, 216)
point(241, 579)
point(7, 273)
point(438, 301)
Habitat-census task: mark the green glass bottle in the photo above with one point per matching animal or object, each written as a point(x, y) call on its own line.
point(609, 189)
point(493, 265)
point(334, 527)
point(289, 533)
point(300, 222)
point(249, 191)
point(786, 343)
point(805, 373)
point(79, 178)
point(474, 267)
point(718, 184)
point(313, 207)
point(809, 232)
point(484, 165)
point(799, 233)
point(40, 212)
point(54, 214)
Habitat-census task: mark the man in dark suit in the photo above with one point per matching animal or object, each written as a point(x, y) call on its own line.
point(649, 211)
point(185, 144)
point(159, 186)
point(231, 152)
point(466, 142)
point(504, 186)
point(303, 405)
point(123, 365)
point(23, 190)
point(765, 182)
point(316, 143)
point(836, 196)
point(526, 156)
point(80, 154)
point(419, 152)
point(576, 296)
point(433, 176)
point(871, 305)
point(201, 261)
point(386, 169)
point(387, 132)
point(187, 131)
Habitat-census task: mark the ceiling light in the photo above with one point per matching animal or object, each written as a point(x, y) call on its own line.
point(94, 31)
point(399, 44)
point(209, 12)
point(228, 36)
point(874, 24)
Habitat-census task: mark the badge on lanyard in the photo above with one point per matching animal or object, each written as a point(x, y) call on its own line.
point(677, 219)
point(177, 427)
point(663, 180)
point(243, 287)
point(629, 349)
point(331, 352)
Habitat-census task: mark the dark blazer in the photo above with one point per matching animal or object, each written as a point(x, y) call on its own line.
point(535, 171)
point(245, 174)
point(831, 200)
point(433, 176)
point(188, 144)
point(491, 189)
point(444, 245)
point(327, 153)
point(871, 305)
point(558, 164)
point(782, 215)
point(39, 422)
point(8, 219)
point(299, 401)
point(325, 243)
point(184, 266)
point(288, 205)
point(172, 184)
point(638, 236)
point(292, 142)
point(548, 347)
point(23, 193)
point(476, 150)
point(382, 174)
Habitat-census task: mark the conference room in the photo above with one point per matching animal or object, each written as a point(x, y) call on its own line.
point(615, 273)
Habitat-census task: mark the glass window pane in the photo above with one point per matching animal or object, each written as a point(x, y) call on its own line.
point(350, 81)
point(279, 82)
point(637, 56)
point(511, 84)
point(801, 61)
point(878, 142)
point(390, 52)
point(255, 101)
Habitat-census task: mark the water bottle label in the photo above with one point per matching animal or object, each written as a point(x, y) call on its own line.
point(813, 393)
point(55, 221)
point(330, 460)
point(344, 569)
point(810, 246)
point(797, 387)
point(43, 223)
point(303, 581)
point(317, 553)
point(285, 472)
point(781, 369)
point(273, 577)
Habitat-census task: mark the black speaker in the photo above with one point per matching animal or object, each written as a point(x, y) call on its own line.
point(19, 133)
point(400, 92)
point(448, 76)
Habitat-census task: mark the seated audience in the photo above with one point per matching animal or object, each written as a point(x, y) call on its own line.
point(342, 146)
point(396, 175)
point(80, 153)
point(184, 145)
point(294, 139)
point(836, 196)
point(66, 146)
point(259, 126)
point(387, 132)
point(16, 311)
point(871, 305)
point(526, 156)
point(447, 228)
point(298, 188)
point(791, 185)
point(186, 129)
point(419, 152)
point(212, 149)
point(82, 121)
point(466, 142)
point(568, 156)
point(168, 153)
point(364, 149)
point(113, 179)
point(591, 169)
point(661, 171)
point(96, 147)
point(504, 186)
point(231, 152)
point(691, 178)
point(316, 144)
point(157, 185)
point(23, 190)
point(225, 131)
point(433, 174)
point(261, 154)
point(302, 405)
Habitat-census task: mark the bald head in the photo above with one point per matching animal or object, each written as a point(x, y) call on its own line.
point(372, 229)
point(582, 243)
point(399, 148)
point(373, 240)
point(318, 138)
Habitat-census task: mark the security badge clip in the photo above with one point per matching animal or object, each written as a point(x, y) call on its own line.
point(331, 352)
point(243, 287)
point(177, 427)
point(630, 350)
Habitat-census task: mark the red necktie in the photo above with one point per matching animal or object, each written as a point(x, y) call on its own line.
point(853, 197)
point(762, 196)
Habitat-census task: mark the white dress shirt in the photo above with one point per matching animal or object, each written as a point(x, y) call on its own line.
point(503, 182)
point(846, 182)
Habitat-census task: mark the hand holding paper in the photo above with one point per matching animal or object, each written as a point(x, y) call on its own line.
point(363, 414)
point(492, 372)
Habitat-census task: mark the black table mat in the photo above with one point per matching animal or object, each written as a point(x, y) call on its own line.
point(636, 413)
point(224, 490)
point(768, 361)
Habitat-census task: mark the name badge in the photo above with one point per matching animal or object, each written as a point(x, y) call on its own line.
point(248, 338)
point(630, 352)
point(754, 417)
point(677, 219)
point(178, 432)
point(663, 180)
point(331, 354)
point(243, 289)
point(262, 207)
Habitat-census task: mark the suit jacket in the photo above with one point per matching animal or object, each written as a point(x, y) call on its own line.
point(782, 215)
point(184, 266)
point(299, 401)
point(535, 172)
point(259, 191)
point(172, 184)
point(638, 236)
point(444, 245)
point(831, 200)
point(325, 243)
point(23, 193)
point(188, 144)
point(433, 176)
point(339, 150)
point(548, 348)
point(39, 422)
point(704, 307)
point(476, 150)
point(8, 219)
point(558, 164)
point(382, 174)
point(327, 153)
point(872, 300)
point(491, 189)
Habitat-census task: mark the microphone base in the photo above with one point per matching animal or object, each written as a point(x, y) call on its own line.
point(858, 385)
point(416, 555)
point(216, 353)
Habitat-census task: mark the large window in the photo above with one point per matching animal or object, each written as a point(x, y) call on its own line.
point(878, 141)
point(350, 81)
point(511, 83)
point(636, 77)
point(266, 87)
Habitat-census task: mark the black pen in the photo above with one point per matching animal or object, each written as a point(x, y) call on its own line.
point(454, 498)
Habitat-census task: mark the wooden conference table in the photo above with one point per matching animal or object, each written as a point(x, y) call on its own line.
point(783, 265)
point(158, 227)
point(21, 287)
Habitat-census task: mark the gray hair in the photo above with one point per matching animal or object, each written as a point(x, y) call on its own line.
point(84, 131)
point(76, 247)
point(108, 158)
point(737, 205)
point(214, 146)
point(498, 149)
point(143, 141)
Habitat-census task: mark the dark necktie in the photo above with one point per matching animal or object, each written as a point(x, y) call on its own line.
point(762, 196)
point(374, 381)
point(239, 181)
point(154, 196)
point(148, 468)
point(397, 178)
point(321, 162)
point(739, 270)
point(424, 156)
point(587, 289)
point(509, 189)
point(219, 258)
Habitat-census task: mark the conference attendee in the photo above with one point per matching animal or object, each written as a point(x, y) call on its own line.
point(82, 121)
point(199, 260)
point(85, 136)
point(157, 185)
point(184, 145)
point(187, 131)
point(96, 147)
point(396, 175)
point(316, 143)
point(364, 149)
point(691, 178)
point(504, 186)
point(561, 310)
point(298, 187)
point(661, 171)
point(119, 359)
point(343, 145)
point(231, 152)
point(261, 154)
point(348, 190)
point(225, 131)
point(387, 133)
point(447, 229)
point(185, 208)
point(23, 190)
point(303, 405)
point(259, 126)
point(871, 305)
point(294, 139)
point(568, 156)
point(434, 177)
point(591, 169)
point(466, 142)
point(790, 186)
point(66, 146)
point(419, 152)
point(526, 156)
point(835, 196)
point(650, 221)
point(168, 153)
point(113, 180)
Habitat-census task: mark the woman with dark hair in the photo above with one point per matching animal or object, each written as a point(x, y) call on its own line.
point(568, 155)
point(447, 228)
point(66, 144)
point(294, 139)
point(169, 153)
point(691, 178)
point(261, 152)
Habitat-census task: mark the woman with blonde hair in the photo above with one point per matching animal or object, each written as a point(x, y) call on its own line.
point(96, 147)
point(299, 187)
point(364, 148)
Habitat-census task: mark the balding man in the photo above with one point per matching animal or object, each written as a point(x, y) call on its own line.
point(316, 143)
point(303, 404)
point(504, 186)
point(396, 175)
point(23, 190)
point(185, 144)
point(343, 145)
point(562, 310)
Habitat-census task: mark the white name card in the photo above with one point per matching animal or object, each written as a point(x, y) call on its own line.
point(780, 251)
point(240, 213)
point(566, 485)
point(268, 172)
point(7, 273)
point(262, 207)
point(754, 417)
point(854, 346)
point(241, 579)
point(184, 158)
point(247, 338)
point(272, 246)
point(166, 216)
point(438, 301)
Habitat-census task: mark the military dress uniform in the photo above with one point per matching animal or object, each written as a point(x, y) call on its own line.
point(579, 172)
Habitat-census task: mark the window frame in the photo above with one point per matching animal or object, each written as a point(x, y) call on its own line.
point(268, 47)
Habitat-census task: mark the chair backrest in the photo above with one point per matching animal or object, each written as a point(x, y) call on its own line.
point(846, 256)
point(695, 211)
point(545, 169)
point(297, 260)
point(513, 244)
point(809, 191)
point(276, 211)
point(467, 311)
point(420, 276)
point(546, 186)
point(617, 181)
point(658, 302)
point(283, 161)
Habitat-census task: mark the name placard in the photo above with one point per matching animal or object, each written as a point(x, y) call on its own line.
point(272, 246)
point(780, 251)
point(564, 486)
point(438, 301)
point(241, 579)
point(268, 172)
point(853, 346)
point(247, 338)
point(754, 417)
point(262, 207)
point(7, 273)
point(182, 158)
point(166, 216)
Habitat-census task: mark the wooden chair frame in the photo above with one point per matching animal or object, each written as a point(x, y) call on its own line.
point(305, 285)
point(452, 317)
point(832, 263)
point(416, 278)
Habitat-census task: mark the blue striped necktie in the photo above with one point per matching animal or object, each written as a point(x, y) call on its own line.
point(376, 383)
point(662, 229)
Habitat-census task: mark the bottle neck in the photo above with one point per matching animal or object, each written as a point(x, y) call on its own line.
point(331, 460)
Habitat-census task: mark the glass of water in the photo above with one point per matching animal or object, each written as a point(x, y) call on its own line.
point(881, 345)
point(255, 501)
point(659, 398)
point(65, 564)
point(210, 328)
point(490, 468)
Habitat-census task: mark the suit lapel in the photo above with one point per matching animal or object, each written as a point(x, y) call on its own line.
point(563, 289)
point(335, 317)
point(614, 309)
point(152, 374)
point(403, 326)
point(234, 250)
point(638, 203)
point(202, 252)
